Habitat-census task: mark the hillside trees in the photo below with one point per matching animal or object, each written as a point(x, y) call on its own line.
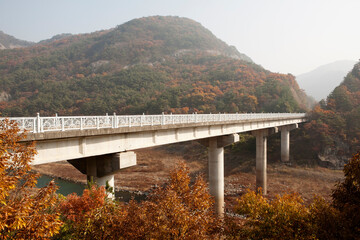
point(148, 65)
point(25, 212)
point(333, 127)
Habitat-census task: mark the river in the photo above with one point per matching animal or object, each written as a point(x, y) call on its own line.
point(68, 187)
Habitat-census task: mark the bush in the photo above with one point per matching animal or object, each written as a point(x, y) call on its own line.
point(285, 217)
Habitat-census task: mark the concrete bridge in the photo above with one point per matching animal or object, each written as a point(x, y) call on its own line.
point(99, 146)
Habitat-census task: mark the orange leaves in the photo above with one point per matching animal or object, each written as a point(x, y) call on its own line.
point(77, 208)
point(25, 213)
point(178, 210)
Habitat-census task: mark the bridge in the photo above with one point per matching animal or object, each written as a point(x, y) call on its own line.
point(100, 146)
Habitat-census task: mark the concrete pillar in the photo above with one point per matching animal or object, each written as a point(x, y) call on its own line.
point(216, 175)
point(101, 181)
point(91, 173)
point(285, 141)
point(216, 167)
point(285, 145)
point(91, 170)
point(261, 160)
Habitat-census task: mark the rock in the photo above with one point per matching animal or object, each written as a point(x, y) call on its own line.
point(335, 156)
point(4, 96)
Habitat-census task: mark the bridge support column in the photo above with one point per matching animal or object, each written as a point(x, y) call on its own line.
point(216, 175)
point(102, 168)
point(285, 142)
point(261, 158)
point(216, 168)
point(92, 175)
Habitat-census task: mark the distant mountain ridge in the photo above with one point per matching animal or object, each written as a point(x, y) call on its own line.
point(319, 82)
point(147, 65)
point(10, 42)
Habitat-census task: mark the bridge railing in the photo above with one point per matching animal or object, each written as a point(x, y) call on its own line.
point(45, 124)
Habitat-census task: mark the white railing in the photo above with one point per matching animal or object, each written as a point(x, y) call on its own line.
point(45, 124)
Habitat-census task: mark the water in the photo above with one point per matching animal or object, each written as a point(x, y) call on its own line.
point(65, 187)
point(68, 187)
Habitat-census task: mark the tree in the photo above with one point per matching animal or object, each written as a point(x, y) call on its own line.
point(346, 198)
point(177, 210)
point(25, 212)
point(285, 217)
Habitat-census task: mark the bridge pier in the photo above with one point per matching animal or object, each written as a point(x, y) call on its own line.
point(216, 167)
point(216, 174)
point(285, 142)
point(261, 158)
point(102, 168)
point(92, 175)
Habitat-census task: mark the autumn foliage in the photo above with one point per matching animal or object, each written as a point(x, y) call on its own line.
point(346, 198)
point(178, 210)
point(287, 217)
point(25, 212)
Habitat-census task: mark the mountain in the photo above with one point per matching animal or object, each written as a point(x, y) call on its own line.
point(147, 65)
point(55, 38)
point(334, 126)
point(319, 82)
point(10, 42)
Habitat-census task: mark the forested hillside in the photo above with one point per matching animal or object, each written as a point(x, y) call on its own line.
point(147, 65)
point(334, 129)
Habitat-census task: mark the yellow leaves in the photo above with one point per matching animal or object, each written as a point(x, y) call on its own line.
point(29, 216)
point(283, 217)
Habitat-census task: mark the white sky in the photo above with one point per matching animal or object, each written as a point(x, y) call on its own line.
point(288, 36)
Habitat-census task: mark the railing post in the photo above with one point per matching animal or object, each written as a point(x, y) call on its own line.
point(172, 118)
point(56, 120)
point(129, 118)
point(81, 123)
point(97, 123)
point(114, 121)
point(141, 119)
point(163, 119)
point(152, 120)
point(62, 124)
point(195, 117)
point(38, 122)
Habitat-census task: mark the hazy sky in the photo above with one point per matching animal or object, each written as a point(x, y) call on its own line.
point(288, 36)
